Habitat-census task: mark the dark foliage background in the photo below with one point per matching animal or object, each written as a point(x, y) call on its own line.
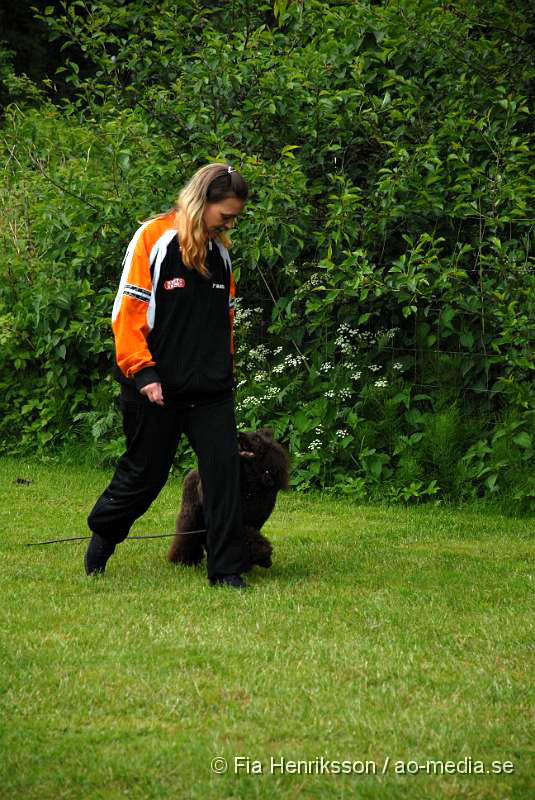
point(385, 262)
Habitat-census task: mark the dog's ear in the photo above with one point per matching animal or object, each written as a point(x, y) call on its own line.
point(266, 433)
point(278, 465)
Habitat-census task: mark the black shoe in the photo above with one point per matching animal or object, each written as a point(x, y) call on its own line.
point(232, 581)
point(98, 552)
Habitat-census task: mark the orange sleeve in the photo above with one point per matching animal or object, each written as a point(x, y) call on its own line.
point(134, 308)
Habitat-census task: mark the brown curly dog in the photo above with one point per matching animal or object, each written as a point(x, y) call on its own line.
point(264, 471)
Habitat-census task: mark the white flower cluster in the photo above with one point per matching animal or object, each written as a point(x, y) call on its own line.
point(380, 384)
point(250, 402)
point(289, 361)
point(260, 376)
point(315, 445)
point(259, 353)
point(342, 433)
point(243, 317)
point(345, 336)
point(326, 367)
point(307, 286)
point(290, 269)
point(271, 392)
point(373, 367)
point(367, 336)
point(397, 365)
point(384, 333)
point(343, 394)
point(345, 331)
point(356, 375)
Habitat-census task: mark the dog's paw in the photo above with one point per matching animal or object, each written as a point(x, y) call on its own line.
point(187, 555)
point(264, 562)
point(190, 561)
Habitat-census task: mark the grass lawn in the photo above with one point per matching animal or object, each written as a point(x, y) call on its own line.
point(383, 637)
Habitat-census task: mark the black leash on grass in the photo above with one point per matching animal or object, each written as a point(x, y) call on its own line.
point(149, 536)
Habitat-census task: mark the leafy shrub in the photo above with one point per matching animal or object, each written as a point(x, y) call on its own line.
point(388, 235)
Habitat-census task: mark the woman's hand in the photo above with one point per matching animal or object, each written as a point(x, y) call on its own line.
point(154, 392)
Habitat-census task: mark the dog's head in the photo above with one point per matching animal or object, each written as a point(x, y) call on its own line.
point(265, 456)
point(254, 444)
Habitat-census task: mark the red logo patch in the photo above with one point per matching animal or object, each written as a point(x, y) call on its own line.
point(176, 283)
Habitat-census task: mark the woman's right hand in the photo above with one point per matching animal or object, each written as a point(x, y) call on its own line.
point(154, 393)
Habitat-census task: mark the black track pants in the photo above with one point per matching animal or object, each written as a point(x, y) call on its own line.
point(152, 436)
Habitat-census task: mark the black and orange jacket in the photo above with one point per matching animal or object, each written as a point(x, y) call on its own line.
point(171, 324)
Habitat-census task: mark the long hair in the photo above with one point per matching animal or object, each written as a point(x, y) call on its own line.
point(210, 184)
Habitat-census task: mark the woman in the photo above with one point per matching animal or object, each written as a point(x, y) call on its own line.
point(173, 325)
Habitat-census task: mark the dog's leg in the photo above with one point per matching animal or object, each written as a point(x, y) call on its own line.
point(187, 548)
point(260, 548)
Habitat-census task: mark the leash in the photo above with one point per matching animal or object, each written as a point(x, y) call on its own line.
point(149, 536)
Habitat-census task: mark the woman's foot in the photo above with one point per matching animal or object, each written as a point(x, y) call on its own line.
point(98, 552)
point(232, 581)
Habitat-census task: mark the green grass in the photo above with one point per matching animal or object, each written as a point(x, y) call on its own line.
point(379, 632)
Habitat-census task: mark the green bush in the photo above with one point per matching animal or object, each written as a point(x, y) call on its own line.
point(384, 261)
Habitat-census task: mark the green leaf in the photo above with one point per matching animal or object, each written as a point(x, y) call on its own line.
point(523, 440)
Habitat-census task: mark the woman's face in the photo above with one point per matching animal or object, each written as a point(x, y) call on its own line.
point(220, 216)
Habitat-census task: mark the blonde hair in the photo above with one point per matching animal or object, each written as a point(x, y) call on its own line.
point(210, 184)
